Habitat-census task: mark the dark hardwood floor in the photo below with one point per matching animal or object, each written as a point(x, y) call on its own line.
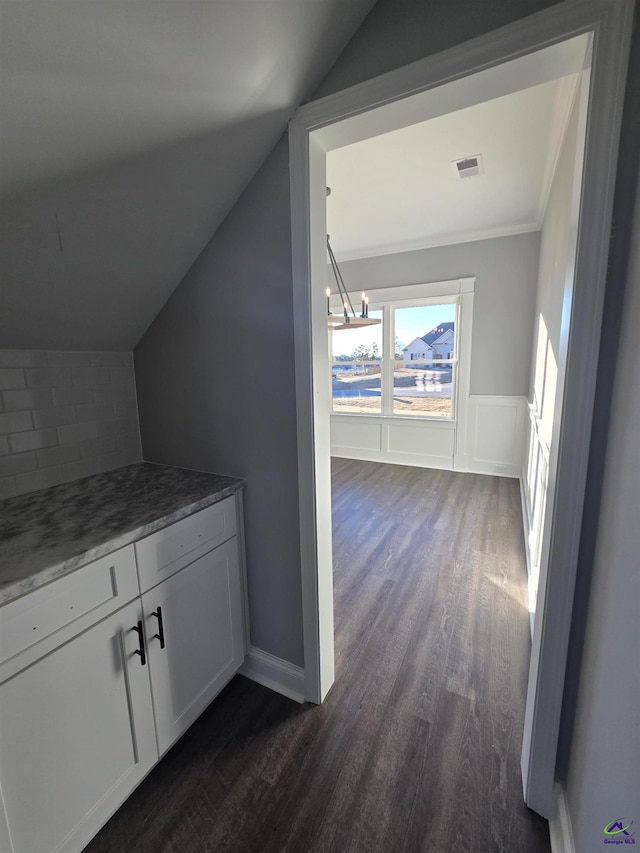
point(417, 746)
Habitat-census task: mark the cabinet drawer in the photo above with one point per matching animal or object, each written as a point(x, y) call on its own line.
point(170, 549)
point(97, 588)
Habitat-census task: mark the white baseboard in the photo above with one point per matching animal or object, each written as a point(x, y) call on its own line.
point(493, 469)
point(560, 831)
point(275, 673)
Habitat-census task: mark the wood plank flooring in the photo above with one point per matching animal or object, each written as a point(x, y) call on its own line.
point(417, 746)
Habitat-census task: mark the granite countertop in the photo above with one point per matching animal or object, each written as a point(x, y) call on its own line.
point(49, 533)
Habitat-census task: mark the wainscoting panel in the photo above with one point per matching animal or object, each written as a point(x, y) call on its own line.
point(356, 433)
point(495, 435)
point(488, 438)
point(422, 439)
point(535, 476)
point(423, 444)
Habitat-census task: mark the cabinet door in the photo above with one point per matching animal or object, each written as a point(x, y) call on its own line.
point(76, 736)
point(202, 627)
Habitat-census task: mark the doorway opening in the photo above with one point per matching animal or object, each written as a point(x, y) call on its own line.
point(438, 85)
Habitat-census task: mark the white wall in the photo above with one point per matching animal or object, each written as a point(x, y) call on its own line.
point(553, 298)
point(604, 770)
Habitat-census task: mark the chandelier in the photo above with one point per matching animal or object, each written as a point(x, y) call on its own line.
point(348, 319)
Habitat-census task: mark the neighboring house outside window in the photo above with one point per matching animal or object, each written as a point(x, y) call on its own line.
point(417, 350)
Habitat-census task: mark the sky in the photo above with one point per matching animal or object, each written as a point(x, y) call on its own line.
point(412, 322)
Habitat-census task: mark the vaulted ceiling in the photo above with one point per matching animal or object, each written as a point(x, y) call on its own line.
point(129, 129)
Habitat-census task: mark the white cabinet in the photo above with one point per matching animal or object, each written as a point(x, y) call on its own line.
point(171, 548)
point(103, 669)
point(195, 638)
point(76, 736)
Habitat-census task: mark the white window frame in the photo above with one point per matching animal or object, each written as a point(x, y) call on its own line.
point(387, 299)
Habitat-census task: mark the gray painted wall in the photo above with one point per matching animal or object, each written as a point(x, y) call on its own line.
point(503, 309)
point(195, 405)
point(604, 770)
point(216, 392)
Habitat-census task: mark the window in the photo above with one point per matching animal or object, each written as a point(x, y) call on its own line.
point(404, 367)
point(424, 387)
point(356, 375)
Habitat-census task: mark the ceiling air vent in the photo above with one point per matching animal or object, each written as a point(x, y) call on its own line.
point(468, 167)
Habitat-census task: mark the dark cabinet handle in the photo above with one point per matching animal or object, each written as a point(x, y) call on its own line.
point(160, 635)
point(140, 650)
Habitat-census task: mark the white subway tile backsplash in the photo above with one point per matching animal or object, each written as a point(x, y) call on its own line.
point(12, 378)
point(75, 433)
point(84, 468)
point(111, 359)
point(41, 479)
point(16, 463)
point(120, 376)
point(72, 396)
point(51, 456)
point(49, 377)
point(107, 429)
point(23, 358)
point(97, 447)
point(84, 377)
point(119, 459)
point(126, 409)
point(64, 415)
point(8, 488)
point(33, 440)
point(58, 416)
point(69, 359)
point(115, 393)
point(93, 412)
point(129, 424)
point(27, 398)
point(15, 422)
point(129, 442)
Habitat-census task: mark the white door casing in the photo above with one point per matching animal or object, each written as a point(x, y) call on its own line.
point(442, 83)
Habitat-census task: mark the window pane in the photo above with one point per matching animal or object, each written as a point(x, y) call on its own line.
point(356, 387)
point(425, 335)
point(423, 388)
point(362, 344)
